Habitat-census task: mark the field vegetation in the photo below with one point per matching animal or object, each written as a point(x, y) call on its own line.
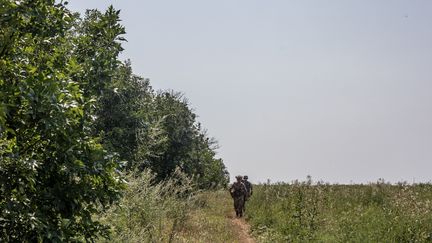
point(89, 152)
point(320, 212)
point(173, 210)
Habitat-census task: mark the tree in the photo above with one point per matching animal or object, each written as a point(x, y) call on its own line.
point(122, 112)
point(54, 173)
point(70, 111)
point(186, 145)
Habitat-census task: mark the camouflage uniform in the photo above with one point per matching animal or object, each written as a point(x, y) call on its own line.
point(248, 187)
point(238, 192)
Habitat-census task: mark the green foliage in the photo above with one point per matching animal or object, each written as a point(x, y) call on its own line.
point(54, 175)
point(286, 212)
point(151, 211)
point(380, 212)
point(170, 211)
point(156, 130)
point(122, 115)
point(70, 112)
point(185, 144)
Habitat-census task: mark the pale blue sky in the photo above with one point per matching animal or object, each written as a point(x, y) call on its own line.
point(339, 90)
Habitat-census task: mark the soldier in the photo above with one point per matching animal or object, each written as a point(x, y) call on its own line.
point(238, 192)
point(248, 186)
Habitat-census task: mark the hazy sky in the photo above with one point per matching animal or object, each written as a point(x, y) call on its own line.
point(339, 90)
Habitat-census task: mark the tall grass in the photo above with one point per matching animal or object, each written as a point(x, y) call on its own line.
point(149, 211)
point(211, 219)
point(170, 211)
point(306, 212)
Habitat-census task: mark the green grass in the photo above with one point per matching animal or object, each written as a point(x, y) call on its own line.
point(175, 211)
point(379, 212)
point(210, 221)
point(170, 211)
point(149, 211)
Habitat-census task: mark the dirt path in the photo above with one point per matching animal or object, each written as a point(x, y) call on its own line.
point(242, 228)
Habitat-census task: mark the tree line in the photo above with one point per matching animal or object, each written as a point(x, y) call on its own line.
point(74, 119)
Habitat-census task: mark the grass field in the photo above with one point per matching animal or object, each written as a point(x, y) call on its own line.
point(171, 211)
point(310, 212)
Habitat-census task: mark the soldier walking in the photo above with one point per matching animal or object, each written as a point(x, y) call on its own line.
point(238, 192)
point(248, 187)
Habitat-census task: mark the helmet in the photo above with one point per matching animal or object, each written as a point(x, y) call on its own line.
point(245, 177)
point(239, 177)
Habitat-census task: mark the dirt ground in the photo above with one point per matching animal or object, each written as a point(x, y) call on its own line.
point(242, 228)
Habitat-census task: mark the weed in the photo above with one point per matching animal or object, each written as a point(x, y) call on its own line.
point(318, 212)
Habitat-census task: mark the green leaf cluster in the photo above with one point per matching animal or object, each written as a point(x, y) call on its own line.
point(156, 130)
point(73, 118)
point(54, 172)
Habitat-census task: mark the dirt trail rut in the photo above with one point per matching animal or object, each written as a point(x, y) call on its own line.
point(243, 229)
